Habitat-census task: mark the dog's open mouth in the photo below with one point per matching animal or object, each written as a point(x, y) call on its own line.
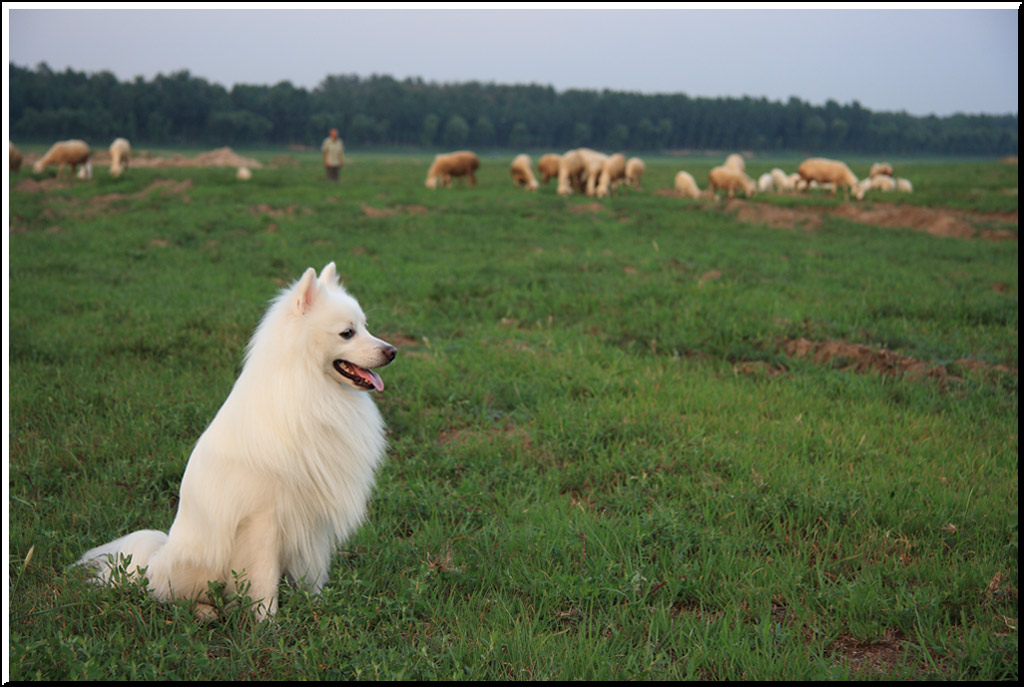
point(360, 376)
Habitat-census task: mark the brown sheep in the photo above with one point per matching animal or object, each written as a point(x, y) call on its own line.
point(13, 158)
point(462, 163)
point(522, 174)
point(570, 173)
point(613, 173)
point(731, 179)
point(826, 171)
point(548, 167)
point(61, 153)
point(120, 154)
point(634, 171)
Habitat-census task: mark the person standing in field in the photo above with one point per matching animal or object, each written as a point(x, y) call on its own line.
point(334, 155)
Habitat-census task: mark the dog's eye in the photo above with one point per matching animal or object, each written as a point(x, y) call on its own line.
point(347, 334)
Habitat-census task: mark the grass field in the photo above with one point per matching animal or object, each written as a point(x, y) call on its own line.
point(641, 438)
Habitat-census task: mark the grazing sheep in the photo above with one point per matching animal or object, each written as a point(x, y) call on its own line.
point(522, 174)
point(904, 185)
point(243, 174)
point(548, 167)
point(731, 179)
point(634, 171)
point(764, 182)
point(882, 182)
point(880, 168)
point(686, 185)
point(826, 171)
point(85, 171)
point(593, 161)
point(781, 180)
point(736, 161)
point(120, 154)
point(13, 158)
point(570, 173)
point(61, 153)
point(462, 163)
point(613, 173)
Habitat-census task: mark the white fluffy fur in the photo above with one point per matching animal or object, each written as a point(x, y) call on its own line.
point(283, 473)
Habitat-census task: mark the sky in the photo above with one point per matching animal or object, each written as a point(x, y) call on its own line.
point(940, 60)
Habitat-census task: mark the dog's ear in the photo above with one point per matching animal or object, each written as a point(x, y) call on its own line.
point(306, 292)
point(329, 276)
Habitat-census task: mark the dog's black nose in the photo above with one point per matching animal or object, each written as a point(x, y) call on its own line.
point(390, 352)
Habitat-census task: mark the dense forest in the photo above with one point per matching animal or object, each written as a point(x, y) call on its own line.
point(184, 109)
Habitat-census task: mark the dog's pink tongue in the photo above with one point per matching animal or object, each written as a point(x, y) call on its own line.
point(372, 377)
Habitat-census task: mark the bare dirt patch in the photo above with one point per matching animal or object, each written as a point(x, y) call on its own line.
point(878, 658)
point(937, 222)
point(861, 358)
point(371, 211)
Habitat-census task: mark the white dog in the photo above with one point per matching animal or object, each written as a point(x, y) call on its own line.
point(283, 473)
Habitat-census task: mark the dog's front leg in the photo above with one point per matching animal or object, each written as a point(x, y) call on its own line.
point(256, 561)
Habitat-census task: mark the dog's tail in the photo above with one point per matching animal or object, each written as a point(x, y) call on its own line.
point(130, 552)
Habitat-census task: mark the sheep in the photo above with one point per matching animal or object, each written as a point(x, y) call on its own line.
point(904, 185)
point(613, 172)
point(880, 168)
point(85, 171)
point(882, 182)
point(570, 173)
point(548, 167)
point(593, 162)
point(686, 185)
point(13, 158)
point(243, 174)
point(462, 163)
point(796, 182)
point(764, 182)
point(522, 174)
point(634, 171)
point(731, 179)
point(781, 180)
point(120, 154)
point(736, 161)
point(61, 153)
point(835, 172)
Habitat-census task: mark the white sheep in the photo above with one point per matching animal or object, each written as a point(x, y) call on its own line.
point(522, 174)
point(593, 161)
point(634, 171)
point(71, 153)
point(764, 182)
point(731, 179)
point(120, 155)
point(833, 172)
point(880, 168)
point(735, 160)
point(243, 174)
point(686, 185)
point(570, 173)
point(904, 185)
point(781, 180)
point(613, 172)
point(882, 182)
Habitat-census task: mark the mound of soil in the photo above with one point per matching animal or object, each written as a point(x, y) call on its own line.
point(937, 222)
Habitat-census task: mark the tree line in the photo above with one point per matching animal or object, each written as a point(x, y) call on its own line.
point(183, 109)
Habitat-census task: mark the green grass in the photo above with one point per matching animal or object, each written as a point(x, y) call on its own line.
point(602, 465)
